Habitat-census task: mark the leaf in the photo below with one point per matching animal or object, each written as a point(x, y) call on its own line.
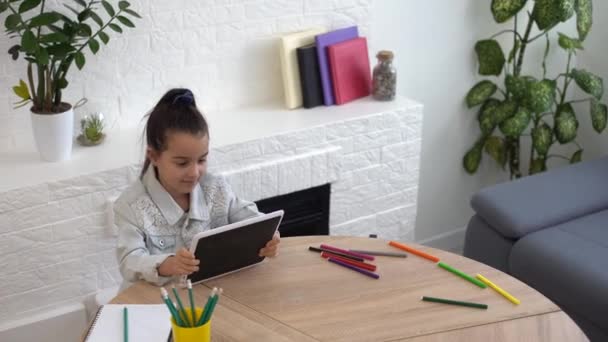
point(81, 3)
point(96, 18)
point(514, 126)
point(132, 12)
point(3, 6)
point(566, 124)
point(28, 5)
point(14, 51)
point(80, 60)
point(516, 86)
point(45, 19)
point(12, 21)
point(548, 13)
point(495, 147)
point(94, 46)
point(28, 42)
point(569, 44)
point(486, 116)
point(505, 110)
point(60, 50)
point(514, 50)
point(84, 15)
point(62, 83)
point(542, 138)
point(125, 21)
point(104, 37)
point(490, 57)
point(123, 5)
point(472, 158)
point(84, 30)
point(55, 37)
point(576, 157)
point(22, 90)
point(588, 82)
point(108, 7)
point(599, 115)
point(540, 95)
point(584, 17)
point(503, 10)
point(538, 165)
point(480, 93)
point(72, 9)
point(42, 57)
point(115, 27)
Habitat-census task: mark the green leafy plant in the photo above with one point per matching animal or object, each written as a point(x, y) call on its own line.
point(92, 128)
point(51, 42)
point(527, 107)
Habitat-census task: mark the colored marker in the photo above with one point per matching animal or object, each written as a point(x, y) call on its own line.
point(461, 274)
point(344, 251)
point(413, 251)
point(192, 306)
point(165, 296)
point(380, 253)
point(182, 312)
point(320, 250)
point(356, 269)
point(454, 302)
point(498, 289)
point(369, 267)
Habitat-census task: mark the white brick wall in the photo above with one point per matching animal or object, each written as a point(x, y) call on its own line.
point(224, 50)
point(57, 247)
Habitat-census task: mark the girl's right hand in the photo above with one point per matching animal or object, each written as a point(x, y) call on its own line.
point(183, 263)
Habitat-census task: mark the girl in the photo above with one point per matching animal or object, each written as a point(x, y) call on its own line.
point(174, 199)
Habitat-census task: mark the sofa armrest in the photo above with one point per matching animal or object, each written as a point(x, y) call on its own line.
point(532, 203)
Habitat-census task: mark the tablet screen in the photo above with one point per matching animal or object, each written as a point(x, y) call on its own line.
point(230, 248)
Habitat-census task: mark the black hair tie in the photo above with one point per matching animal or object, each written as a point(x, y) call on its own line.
point(187, 98)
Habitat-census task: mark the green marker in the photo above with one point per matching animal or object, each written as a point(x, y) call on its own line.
point(181, 311)
point(461, 274)
point(165, 297)
point(454, 302)
point(192, 306)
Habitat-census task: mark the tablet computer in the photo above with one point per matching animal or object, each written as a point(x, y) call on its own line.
point(234, 246)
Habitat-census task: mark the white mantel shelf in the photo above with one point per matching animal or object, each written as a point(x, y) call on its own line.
point(23, 168)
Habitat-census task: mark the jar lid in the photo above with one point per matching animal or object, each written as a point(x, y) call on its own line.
point(385, 55)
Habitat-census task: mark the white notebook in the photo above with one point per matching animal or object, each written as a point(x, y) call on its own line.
point(148, 323)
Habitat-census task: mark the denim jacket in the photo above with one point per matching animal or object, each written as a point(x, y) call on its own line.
point(152, 226)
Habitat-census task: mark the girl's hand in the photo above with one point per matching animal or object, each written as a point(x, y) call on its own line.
point(272, 247)
point(183, 263)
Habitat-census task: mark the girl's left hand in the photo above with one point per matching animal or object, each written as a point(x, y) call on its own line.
point(272, 247)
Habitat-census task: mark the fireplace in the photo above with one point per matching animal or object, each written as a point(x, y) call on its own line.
point(306, 211)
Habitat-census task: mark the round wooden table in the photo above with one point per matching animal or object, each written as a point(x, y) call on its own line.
point(299, 296)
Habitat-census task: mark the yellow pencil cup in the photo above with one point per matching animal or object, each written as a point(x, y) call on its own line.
point(196, 334)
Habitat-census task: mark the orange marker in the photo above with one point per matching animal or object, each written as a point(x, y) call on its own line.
point(413, 251)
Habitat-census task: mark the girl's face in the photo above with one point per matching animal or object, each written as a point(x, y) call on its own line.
point(183, 163)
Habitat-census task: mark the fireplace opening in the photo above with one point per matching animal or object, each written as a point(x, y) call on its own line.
point(306, 211)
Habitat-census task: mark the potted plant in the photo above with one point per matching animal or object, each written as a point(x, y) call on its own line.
point(51, 40)
point(534, 107)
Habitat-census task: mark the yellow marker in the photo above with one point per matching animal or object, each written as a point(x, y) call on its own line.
point(498, 289)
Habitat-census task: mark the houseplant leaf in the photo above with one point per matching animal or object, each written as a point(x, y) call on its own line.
point(132, 12)
point(125, 21)
point(516, 86)
point(55, 37)
point(540, 95)
point(22, 90)
point(104, 37)
point(96, 18)
point(45, 19)
point(514, 126)
point(108, 7)
point(542, 138)
point(480, 93)
point(115, 27)
point(123, 5)
point(28, 42)
point(576, 157)
point(28, 5)
point(584, 17)
point(3, 6)
point(505, 110)
point(42, 57)
point(79, 59)
point(538, 165)
point(599, 114)
point(472, 158)
point(94, 45)
point(548, 13)
point(566, 124)
point(503, 10)
point(569, 44)
point(12, 21)
point(486, 116)
point(490, 57)
point(81, 3)
point(588, 82)
point(495, 147)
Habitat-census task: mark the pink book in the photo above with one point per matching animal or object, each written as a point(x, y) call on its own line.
point(350, 70)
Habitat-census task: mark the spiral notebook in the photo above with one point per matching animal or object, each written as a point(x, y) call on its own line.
point(147, 322)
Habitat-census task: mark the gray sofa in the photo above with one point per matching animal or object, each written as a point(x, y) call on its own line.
point(551, 231)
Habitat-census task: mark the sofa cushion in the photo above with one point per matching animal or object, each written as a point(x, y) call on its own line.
point(568, 263)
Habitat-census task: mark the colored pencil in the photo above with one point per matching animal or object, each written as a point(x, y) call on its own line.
point(344, 251)
point(356, 269)
point(192, 305)
point(320, 250)
point(369, 267)
point(454, 302)
point(461, 274)
point(498, 289)
point(414, 251)
point(181, 310)
point(213, 305)
point(172, 309)
point(207, 305)
point(380, 253)
point(125, 318)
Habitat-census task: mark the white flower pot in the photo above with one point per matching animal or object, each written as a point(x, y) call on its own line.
point(54, 134)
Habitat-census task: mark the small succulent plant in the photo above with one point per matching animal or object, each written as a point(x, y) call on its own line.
point(92, 128)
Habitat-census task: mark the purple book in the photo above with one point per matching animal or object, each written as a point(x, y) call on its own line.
point(323, 41)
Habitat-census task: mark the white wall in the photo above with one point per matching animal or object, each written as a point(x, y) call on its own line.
point(433, 41)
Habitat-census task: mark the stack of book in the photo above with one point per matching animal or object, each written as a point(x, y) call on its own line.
point(321, 67)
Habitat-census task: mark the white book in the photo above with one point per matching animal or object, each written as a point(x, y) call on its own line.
point(146, 322)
